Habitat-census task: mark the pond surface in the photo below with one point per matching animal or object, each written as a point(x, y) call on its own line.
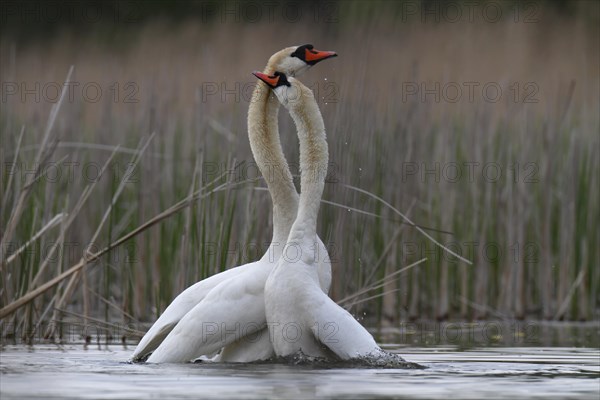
point(49, 371)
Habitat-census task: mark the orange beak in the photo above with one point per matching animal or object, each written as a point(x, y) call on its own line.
point(269, 80)
point(314, 56)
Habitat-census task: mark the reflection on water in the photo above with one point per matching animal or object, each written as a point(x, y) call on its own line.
point(46, 371)
point(508, 333)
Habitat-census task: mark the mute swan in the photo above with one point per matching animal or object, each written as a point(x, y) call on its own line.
point(300, 316)
point(227, 309)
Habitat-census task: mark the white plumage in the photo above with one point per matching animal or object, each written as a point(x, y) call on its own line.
point(302, 317)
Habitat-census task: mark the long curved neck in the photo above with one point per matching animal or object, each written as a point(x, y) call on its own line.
point(314, 157)
point(263, 132)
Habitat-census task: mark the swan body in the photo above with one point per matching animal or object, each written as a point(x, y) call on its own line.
point(229, 312)
point(300, 315)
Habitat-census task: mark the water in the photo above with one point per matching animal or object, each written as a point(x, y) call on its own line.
point(48, 371)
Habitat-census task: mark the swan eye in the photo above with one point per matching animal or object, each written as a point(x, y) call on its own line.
point(300, 51)
point(282, 79)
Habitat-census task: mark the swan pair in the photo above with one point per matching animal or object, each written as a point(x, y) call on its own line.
point(246, 311)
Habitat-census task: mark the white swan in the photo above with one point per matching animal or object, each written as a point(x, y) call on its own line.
point(229, 310)
point(300, 316)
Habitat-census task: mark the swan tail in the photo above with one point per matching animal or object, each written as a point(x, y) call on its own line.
point(151, 341)
point(340, 332)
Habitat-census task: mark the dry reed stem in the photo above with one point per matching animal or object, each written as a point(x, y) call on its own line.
point(111, 304)
point(567, 300)
point(12, 170)
point(380, 283)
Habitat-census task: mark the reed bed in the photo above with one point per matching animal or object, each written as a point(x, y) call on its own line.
point(510, 183)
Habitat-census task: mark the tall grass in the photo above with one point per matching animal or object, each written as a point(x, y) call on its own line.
point(525, 209)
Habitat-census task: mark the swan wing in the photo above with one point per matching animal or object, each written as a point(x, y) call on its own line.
point(179, 307)
point(323, 266)
point(232, 311)
point(338, 330)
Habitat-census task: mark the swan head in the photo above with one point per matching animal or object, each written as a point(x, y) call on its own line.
point(295, 60)
point(287, 89)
